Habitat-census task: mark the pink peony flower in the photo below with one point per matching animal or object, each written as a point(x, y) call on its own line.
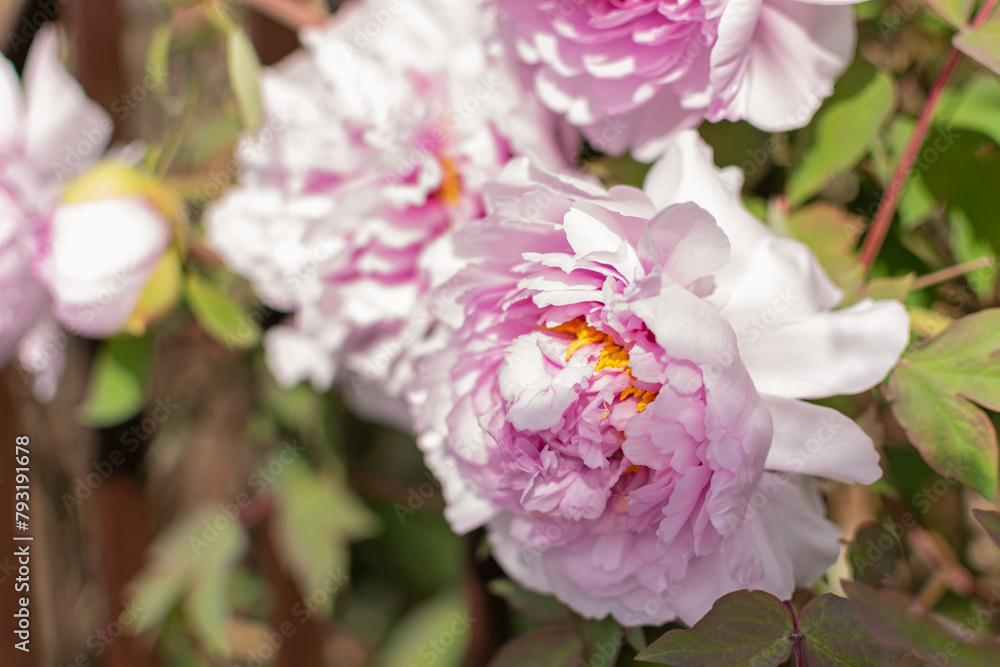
point(631, 72)
point(620, 403)
point(380, 138)
point(81, 265)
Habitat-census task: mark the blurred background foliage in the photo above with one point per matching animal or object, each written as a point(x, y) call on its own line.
point(194, 513)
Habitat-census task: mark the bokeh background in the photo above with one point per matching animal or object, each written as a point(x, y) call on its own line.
point(229, 512)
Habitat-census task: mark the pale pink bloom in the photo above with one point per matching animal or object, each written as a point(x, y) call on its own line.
point(80, 265)
point(620, 399)
point(631, 72)
point(379, 138)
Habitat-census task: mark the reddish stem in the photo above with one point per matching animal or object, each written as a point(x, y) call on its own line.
point(984, 13)
point(890, 198)
point(797, 638)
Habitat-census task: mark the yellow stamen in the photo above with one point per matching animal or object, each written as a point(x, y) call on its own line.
point(585, 335)
point(450, 190)
point(612, 356)
point(645, 397)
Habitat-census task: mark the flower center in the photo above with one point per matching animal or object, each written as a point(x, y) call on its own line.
point(450, 190)
point(612, 356)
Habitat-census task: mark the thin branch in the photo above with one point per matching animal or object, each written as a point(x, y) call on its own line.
point(984, 13)
point(890, 198)
point(292, 14)
point(952, 272)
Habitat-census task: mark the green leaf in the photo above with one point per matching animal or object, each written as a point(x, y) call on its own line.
point(897, 288)
point(873, 554)
point(244, 77)
point(972, 107)
point(636, 638)
point(897, 621)
point(953, 12)
point(432, 633)
point(191, 563)
point(982, 44)
point(537, 605)
point(926, 323)
point(117, 381)
point(602, 640)
point(743, 629)
point(966, 246)
point(990, 521)
point(932, 391)
point(553, 646)
point(836, 637)
point(844, 129)
point(317, 518)
point(221, 317)
point(622, 170)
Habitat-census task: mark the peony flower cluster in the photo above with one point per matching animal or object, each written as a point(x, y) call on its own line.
point(378, 142)
point(82, 264)
point(632, 72)
point(614, 383)
point(627, 378)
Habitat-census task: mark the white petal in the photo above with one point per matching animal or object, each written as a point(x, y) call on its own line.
point(815, 440)
point(686, 172)
point(797, 53)
point(537, 394)
point(783, 283)
point(521, 563)
point(687, 327)
point(11, 104)
point(294, 356)
point(43, 352)
point(796, 511)
point(467, 508)
point(841, 352)
point(686, 242)
point(65, 128)
point(102, 253)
